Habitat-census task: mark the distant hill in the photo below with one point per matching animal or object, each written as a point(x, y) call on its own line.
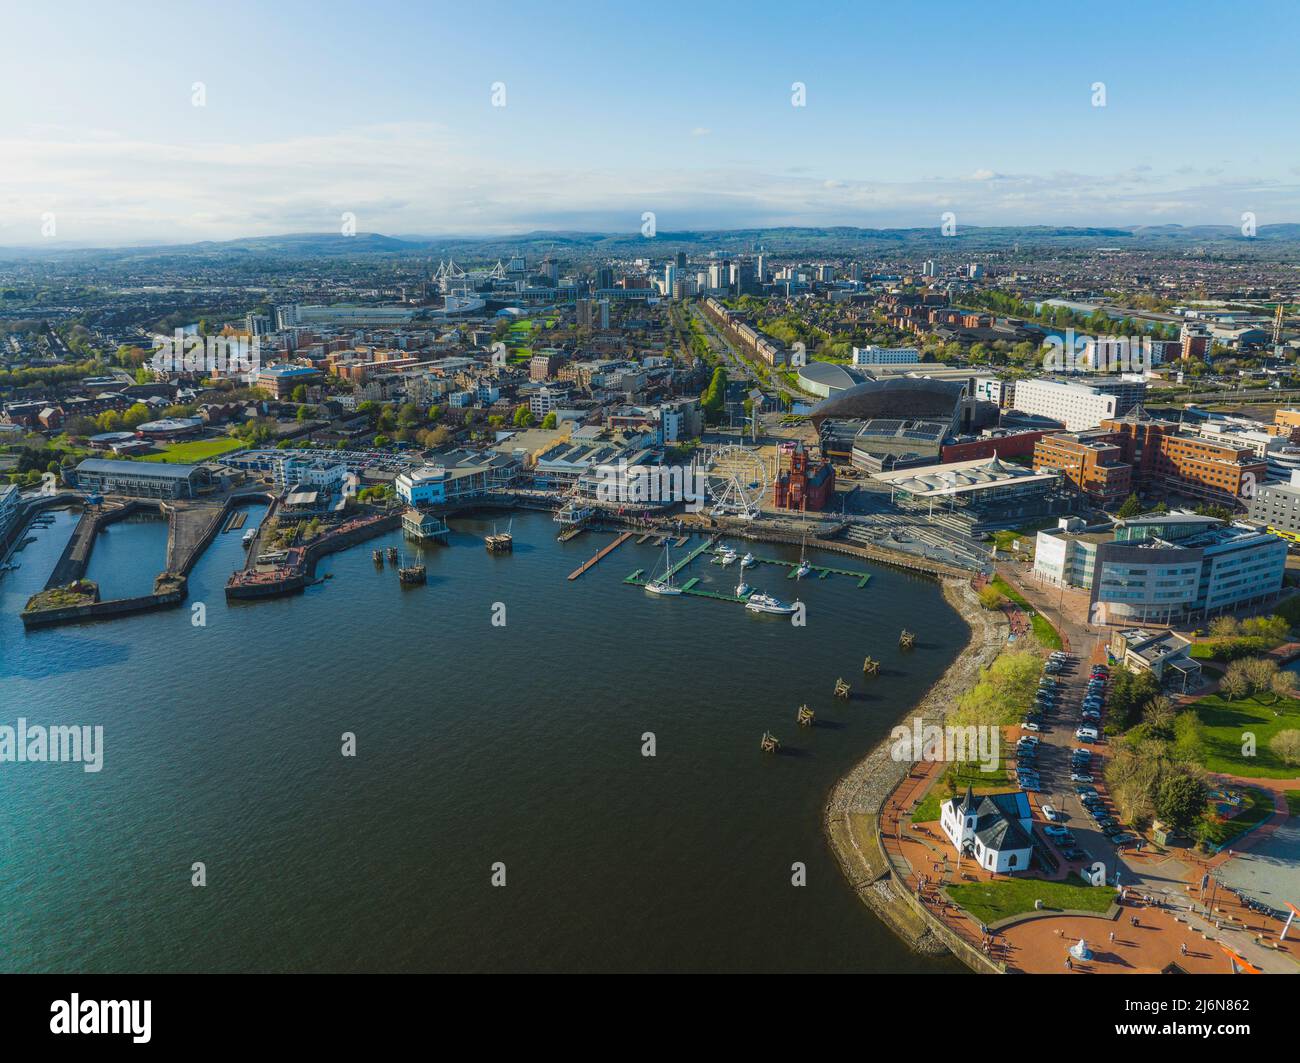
point(810, 240)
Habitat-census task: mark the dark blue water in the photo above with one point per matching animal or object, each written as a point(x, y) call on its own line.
point(476, 744)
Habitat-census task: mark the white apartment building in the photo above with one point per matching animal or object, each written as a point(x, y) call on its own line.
point(1077, 406)
point(875, 355)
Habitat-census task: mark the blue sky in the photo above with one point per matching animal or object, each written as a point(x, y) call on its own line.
point(384, 110)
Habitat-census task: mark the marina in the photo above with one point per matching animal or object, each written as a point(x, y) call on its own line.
point(691, 587)
point(494, 770)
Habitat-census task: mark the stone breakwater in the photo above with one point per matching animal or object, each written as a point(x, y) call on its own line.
point(852, 814)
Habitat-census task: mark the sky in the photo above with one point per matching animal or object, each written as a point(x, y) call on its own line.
point(172, 122)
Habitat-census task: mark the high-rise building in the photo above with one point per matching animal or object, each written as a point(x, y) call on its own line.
point(1196, 341)
point(670, 279)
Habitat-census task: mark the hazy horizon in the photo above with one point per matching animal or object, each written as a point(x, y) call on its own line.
point(485, 122)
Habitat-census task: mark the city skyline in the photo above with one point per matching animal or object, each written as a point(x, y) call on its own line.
point(450, 122)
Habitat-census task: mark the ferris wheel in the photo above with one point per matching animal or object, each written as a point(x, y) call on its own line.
point(737, 480)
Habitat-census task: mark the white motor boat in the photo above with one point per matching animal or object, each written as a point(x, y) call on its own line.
point(747, 561)
point(765, 603)
point(742, 589)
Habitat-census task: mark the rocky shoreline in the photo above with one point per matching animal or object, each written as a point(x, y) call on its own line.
point(851, 817)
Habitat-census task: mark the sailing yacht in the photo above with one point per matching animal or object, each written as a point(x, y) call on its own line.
point(804, 568)
point(742, 588)
point(664, 584)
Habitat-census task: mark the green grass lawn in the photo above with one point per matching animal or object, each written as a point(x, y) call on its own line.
point(965, 774)
point(1028, 536)
point(1002, 898)
point(1043, 630)
point(1259, 806)
point(197, 450)
point(1227, 721)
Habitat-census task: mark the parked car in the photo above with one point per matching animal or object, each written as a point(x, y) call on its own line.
point(1080, 776)
point(1051, 814)
point(1086, 734)
point(1059, 833)
point(1029, 725)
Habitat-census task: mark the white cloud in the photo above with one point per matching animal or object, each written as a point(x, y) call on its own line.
point(418, 178)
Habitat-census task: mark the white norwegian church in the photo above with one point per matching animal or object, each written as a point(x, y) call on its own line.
point(993, 829)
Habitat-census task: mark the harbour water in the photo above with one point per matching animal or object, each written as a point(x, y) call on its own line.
point(476, 745)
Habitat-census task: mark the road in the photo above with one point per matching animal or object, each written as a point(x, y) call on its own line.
point(718, 341)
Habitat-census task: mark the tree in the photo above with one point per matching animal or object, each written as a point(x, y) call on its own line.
point(549, 420)
point(523, 417)
point(990, 597)
point(1129, 691)
point(1235, 682)
point(1180, 800)
point(1158, 715)
point(1224, 627)
point(1131, 507)
point(714, 398)
point(1282, 684)
point(299, 393)
point(1285, 745)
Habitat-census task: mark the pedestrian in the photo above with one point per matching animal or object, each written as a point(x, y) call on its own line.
point(1112, 935)
point(1068, 965)
point(1183, 948)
